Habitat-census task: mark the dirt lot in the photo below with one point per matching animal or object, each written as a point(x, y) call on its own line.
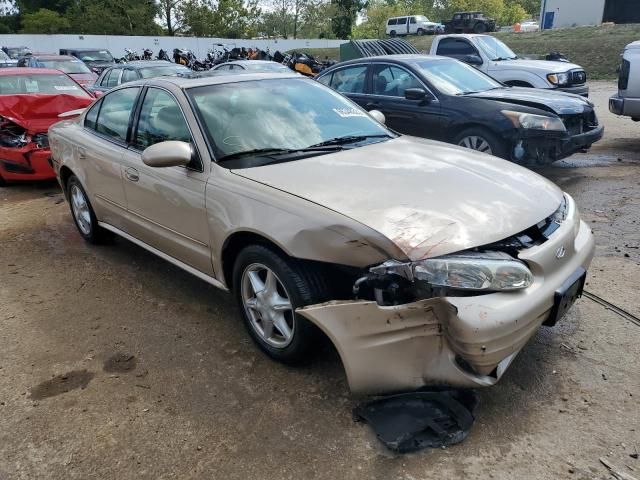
point(116, 365)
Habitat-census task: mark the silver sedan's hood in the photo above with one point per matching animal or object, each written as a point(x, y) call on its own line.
point(428, 197)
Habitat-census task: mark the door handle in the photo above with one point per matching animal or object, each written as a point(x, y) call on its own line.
point(372, 105)
point(132, 174)
point(82, 154)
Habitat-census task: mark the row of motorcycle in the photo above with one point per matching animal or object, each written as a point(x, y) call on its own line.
point(299, 62)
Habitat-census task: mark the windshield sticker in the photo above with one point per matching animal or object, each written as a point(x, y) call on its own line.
point(349, 112)
point(65, 87)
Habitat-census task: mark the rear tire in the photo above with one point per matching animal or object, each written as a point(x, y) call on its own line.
point(480, 28)
point(83, 214)
point(484, 141)
point(392, 33)
point(269, 287)
point(420, 32)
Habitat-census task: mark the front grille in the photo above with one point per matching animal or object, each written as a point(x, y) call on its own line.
point(581, 123)
point(578, 77)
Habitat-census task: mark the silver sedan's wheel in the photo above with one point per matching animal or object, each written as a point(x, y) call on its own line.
point(268, 305)
point(80, 209)
point(475, 142)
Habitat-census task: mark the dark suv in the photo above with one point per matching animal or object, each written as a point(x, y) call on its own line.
point(97, 59)
point(469, 22)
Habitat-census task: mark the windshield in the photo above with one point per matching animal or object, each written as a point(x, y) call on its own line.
point(455, 78)
point(151, 72)
point(421, 18)
point(36, 83)
point(495, 49)
point(66, 66)
point(282, 114)
point(266, 67)
point(95, 56)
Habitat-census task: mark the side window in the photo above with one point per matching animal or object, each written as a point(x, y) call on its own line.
point(114, 77)
point(161, 119)
point(224, 67)
point(326, 79)
point(113, 119)
point(402, 21)
point(412, 20)
point(393, 21)
point(350, 80)
point(105, 78)
point(455, 47)
point(129, 75)
point(92, 115)
point(393, 81)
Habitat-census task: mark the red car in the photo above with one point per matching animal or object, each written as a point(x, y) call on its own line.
point(31, 100)
point(73, 67)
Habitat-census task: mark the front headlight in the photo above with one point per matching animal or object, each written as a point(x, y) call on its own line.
point(475, 271)
point(558, 79)
point(534, 122)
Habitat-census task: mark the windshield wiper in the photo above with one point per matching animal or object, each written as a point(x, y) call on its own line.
point(347, 139)
point(271, 152)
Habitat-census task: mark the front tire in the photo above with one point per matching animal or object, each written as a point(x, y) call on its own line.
point(392, 33)
point(83, 214)
point(269, 287)
point(480, 28)
point(484, 141)
point(420, 32)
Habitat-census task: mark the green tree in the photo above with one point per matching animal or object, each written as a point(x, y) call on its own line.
point(345, 16)
point(170, 15)
point(375, 21)
point(114, 17)
point(315, 19)
point(33, 6)
point(221, 18)
point(44, 21)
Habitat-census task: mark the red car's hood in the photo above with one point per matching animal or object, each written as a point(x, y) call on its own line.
point(36, 112)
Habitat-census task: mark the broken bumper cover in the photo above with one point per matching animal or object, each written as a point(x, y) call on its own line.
point(555, 147)
point(25, 163)
point(464, 342)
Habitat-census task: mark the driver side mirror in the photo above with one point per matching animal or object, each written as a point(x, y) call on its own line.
point(378, 116)
point(167, 154)
point(474, 60)
point(415, 94)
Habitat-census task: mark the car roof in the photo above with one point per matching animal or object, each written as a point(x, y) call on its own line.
point(52, 56)
point(190, 82)
point(84, 49)
point(28, 70)
point(148, 63)
point(250, 62)
point(405, 58)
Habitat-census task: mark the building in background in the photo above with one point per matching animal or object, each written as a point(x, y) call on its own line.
point(575, 13)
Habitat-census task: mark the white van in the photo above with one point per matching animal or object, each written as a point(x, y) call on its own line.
point(411, 25)
point(627, 100)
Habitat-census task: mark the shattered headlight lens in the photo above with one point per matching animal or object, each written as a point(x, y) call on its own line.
point(534, 122)
point(558, 79)
point(479, 271)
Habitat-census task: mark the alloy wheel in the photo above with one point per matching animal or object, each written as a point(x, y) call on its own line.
point(80, 209)
point(476, 143)
point(268, 305)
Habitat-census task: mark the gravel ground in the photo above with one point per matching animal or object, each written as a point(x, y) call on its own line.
point(116, 365)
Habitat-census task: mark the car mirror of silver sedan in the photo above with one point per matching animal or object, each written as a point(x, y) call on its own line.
point(378, 116)
point(167, 154)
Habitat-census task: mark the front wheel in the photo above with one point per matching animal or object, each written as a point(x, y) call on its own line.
point(483, 141)
point(392, 33)
point(480, 28)
point(269, 287)
point(420, 32)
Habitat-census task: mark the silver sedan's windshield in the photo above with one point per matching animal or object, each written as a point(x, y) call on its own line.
point(495, 49)
point(280, 114)
point(455, 78)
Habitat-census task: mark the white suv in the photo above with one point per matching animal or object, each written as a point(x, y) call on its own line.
point(411, 25)
point(627, 100)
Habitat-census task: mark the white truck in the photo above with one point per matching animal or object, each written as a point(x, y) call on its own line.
point(627, 100)
point(491, 56)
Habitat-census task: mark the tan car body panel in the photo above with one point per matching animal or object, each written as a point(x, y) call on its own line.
point(404, 199)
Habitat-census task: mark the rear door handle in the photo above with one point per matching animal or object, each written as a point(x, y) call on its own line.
point(82, 154)
point(132, 174)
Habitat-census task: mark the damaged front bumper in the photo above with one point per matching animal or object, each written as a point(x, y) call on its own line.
point(546, 148)
point(463, 342)
point(26, 163)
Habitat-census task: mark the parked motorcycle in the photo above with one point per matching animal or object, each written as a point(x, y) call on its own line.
point(147, 54)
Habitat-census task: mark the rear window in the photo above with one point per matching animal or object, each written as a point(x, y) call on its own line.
point(151, 72)
point(66, 66)
point(393, 21)
point(44, 84)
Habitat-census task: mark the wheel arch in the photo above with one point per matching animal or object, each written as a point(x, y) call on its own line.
point(65, 174)
point(461, 127)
